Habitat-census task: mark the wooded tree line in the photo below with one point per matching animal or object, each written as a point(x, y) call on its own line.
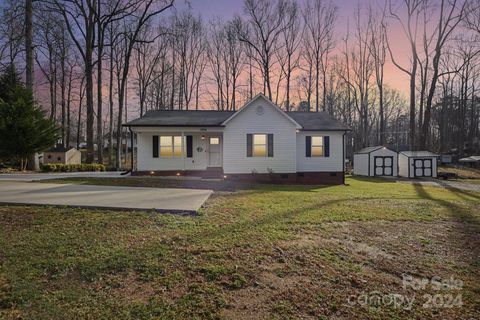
point(96, 63)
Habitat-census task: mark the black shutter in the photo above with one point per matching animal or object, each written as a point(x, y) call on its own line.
point(308, 146)
point(326, 145)
point(155, 146)
point(249, 144)
point(270, 144)
point(189, 146)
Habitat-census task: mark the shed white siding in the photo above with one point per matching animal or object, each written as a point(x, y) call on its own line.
point(384, 152)
point(360, 164)
point(250, 120)
point(332, 163)
point(364, 163)
point(405, 163)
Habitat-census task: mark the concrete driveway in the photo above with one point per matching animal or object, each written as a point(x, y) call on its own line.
point(131, 198)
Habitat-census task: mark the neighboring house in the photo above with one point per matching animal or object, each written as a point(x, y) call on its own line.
point(375, 161)
point(259, 142)
point(63, 155)
point(473, 161)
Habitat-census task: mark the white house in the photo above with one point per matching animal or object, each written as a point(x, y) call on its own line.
point(417, 164)
point(260, 141)
point(375, 161)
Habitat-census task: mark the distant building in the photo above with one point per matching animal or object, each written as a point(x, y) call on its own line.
point(64, 155)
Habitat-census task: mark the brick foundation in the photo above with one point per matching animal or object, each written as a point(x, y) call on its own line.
point(330, 178)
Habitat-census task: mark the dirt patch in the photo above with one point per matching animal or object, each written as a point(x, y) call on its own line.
point(316, 273)
point(17, 220)
point(128, 288)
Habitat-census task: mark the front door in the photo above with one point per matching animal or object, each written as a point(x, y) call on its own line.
point(422, 167)
point(214, 151)
point(383, 166)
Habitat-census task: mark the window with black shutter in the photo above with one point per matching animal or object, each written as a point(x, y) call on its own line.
point(155, 144)
point(189, 146)
point(317, 146)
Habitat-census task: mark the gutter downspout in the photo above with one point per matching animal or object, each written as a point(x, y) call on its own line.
point(183, 150)
point(343, 156)
point(133, 150)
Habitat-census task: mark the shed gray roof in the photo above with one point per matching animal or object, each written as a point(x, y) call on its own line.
point(419, 154)
point(59, 148)
point(203, 118)
point(368, 149)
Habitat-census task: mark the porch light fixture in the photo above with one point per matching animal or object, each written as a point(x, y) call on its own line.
point(178, 173)
point(297, 131)
point(224, 177)
point(151, 172)
point(203, 137)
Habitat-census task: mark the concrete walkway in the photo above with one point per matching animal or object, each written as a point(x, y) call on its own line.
point(131, 198)
point(46, 176)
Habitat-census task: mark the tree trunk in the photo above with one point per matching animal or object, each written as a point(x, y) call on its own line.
point(29, 44)
point(317, 85)
point(412, 103)
point(62, 97)
point(100, 39)
point(90, 110)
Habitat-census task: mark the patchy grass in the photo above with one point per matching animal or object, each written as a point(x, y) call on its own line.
point(269, 252)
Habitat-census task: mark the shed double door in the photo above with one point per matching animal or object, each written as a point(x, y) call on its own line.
point(422, 167)
point(383, 166)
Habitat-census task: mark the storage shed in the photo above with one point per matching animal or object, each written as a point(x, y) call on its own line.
point(417, 164)
point(62, 155)
point(375, 161)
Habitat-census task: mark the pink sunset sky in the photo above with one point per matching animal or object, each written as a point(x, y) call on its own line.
point(395, 78)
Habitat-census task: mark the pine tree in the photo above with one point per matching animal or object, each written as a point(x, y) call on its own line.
point(24, 128)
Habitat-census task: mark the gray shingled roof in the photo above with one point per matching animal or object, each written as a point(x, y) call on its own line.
point(419, 154)
point(317, 121)
point(368, 149)
point(202, 118)
point(175, 118)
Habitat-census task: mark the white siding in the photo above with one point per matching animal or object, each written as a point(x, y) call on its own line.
point(146, 161)
point(235, 160)
point(362, 161)
point(402, 165)
point(404, 162)
point(384, 152)
point(360, 164)
point(321, 164)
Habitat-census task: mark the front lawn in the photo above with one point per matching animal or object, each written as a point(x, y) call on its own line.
point(267, 252)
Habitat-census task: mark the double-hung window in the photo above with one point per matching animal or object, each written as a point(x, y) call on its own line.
point(171, 146)
point(317, 146)
point(259, 145)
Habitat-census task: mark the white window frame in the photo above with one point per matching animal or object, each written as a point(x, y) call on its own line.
point(172, 147)
point(260, 144)
point(321, 145)
point(215, 139)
